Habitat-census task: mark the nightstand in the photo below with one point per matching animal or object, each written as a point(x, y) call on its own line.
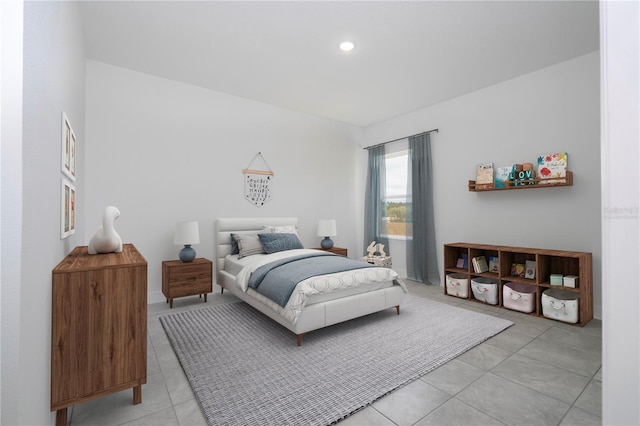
point(336, 250)
point(180, 279)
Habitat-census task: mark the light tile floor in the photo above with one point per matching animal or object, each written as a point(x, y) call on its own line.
point(537, 372)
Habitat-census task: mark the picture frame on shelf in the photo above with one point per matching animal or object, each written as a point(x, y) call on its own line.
point(530, 269)
point(67, 209)
point(68, 149)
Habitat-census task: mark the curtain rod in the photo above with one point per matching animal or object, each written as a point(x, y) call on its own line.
point(399, 139)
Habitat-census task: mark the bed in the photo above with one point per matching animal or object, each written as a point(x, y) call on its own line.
point(315, 302)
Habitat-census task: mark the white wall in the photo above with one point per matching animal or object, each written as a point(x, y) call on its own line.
point(163, 151)
point(555, 109)
point(620, 41)
point(53, 81)
point(11, 30)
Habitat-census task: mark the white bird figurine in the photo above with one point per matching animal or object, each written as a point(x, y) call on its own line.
point(380, 250)
point(106, 239)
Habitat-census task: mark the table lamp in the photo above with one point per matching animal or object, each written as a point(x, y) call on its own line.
point(326, 229)
point(187, 233)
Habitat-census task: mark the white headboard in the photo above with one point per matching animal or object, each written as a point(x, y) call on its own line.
point(225, 226)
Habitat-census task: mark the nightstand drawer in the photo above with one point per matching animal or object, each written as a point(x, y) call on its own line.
point(189, 273)
point(189, 287)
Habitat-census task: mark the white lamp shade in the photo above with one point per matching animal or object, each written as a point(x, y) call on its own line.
point(327, 228)
point(187, 233)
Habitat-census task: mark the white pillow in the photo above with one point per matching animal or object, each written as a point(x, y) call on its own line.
point(234, 241)
point(285, 229)
point(248, 244)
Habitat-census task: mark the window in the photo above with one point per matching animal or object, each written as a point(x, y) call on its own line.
point(394, 224)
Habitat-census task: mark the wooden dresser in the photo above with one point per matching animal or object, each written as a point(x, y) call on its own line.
point(98, 327)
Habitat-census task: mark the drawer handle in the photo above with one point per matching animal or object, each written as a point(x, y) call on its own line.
point(191, 279)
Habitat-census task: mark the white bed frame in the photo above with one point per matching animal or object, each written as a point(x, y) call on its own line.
point(314, 316)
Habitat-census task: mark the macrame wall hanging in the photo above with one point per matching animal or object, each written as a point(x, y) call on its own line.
point(257, 183)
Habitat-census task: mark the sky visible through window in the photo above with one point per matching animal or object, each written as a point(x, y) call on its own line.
point(397, 177)
point(394, 224)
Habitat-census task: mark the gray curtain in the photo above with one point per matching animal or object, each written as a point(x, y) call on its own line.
point(374, 198)
point(422, 263)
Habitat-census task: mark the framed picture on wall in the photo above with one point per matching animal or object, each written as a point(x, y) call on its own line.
point(68, 149)
point(67, 209)
point(72, 209)
point(72, 155)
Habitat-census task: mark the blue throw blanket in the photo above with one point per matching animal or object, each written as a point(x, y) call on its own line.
point(277, 280)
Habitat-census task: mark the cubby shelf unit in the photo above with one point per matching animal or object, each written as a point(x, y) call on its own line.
point(548, 262)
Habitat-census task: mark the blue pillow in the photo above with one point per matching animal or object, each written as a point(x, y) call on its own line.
point(234, 244)
point(275, 242)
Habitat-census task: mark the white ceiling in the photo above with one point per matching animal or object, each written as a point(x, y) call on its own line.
point(408, 55)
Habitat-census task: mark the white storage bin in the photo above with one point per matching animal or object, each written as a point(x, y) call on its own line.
point(570, 281)
point(485, 290)
point(519, 297)
point(561, 305)
point(457, 285)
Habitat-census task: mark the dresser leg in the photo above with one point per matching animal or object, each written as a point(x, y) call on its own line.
point(61, 417)
point(205, 298)
point(170, 303)
point(137, 395)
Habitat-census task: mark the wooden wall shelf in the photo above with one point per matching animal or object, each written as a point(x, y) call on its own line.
point(568, 182)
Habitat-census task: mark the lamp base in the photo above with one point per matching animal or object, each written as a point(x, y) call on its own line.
point(327, 243)
point(187, 254)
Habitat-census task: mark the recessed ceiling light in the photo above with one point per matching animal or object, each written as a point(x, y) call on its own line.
point(347, 46)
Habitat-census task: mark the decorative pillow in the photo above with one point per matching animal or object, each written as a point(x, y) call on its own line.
point(285, 229)
point(234, 243)
point(248, 244)
point(279, 242)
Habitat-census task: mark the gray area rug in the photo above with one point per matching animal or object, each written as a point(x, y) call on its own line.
point(246, 369)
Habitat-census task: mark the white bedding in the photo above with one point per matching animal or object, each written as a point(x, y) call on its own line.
point(354, 281)
point(233, 265)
